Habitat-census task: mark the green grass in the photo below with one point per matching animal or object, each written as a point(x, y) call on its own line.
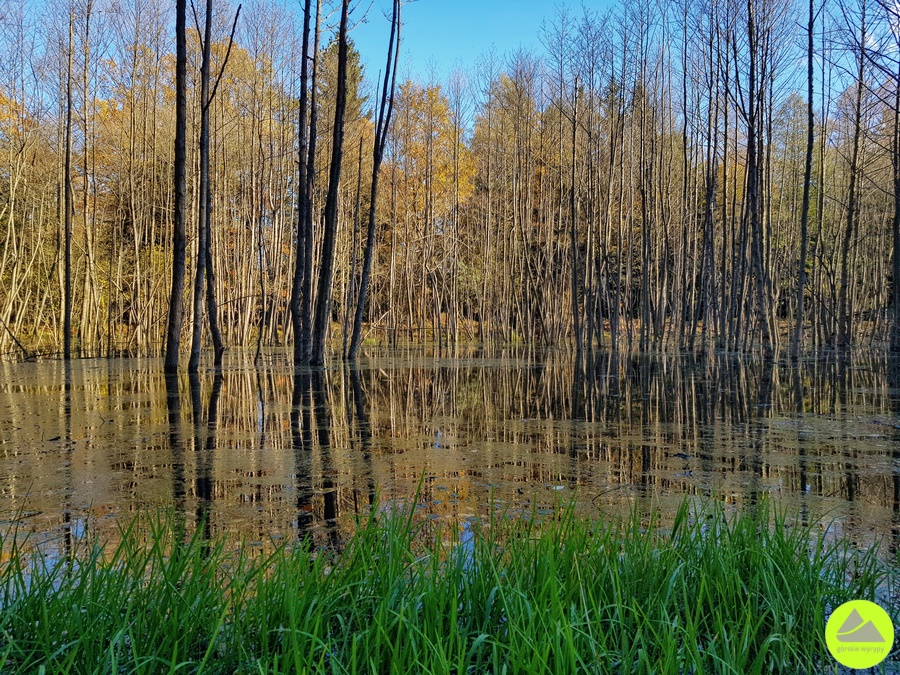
point(712, 594)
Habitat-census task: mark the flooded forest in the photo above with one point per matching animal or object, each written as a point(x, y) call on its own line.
point(659, 176)
point(582, 356)
point(247, 278)
point(267, 452)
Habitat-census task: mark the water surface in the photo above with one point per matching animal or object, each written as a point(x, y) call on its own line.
point(264, 453)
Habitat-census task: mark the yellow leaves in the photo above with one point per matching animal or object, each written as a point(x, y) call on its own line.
point(13, 118)
point(467, 169)
point(7, 112)
point(431, 152)
point(6, 104)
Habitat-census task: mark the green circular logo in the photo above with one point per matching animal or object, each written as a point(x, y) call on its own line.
point(859, 634)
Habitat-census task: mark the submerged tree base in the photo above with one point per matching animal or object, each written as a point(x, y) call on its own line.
point(715, 593)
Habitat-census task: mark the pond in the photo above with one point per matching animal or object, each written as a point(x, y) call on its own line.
point(263, 453)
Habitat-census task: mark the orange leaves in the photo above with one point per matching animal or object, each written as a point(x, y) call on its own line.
point(14, 120)
point(429, 150)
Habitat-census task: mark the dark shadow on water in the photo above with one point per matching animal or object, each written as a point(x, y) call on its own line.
point(311, 424)
point(302, 443)
point(322, 409)
point(893, 379)
point(362, 437)
point(67, 461)
point(205, 450)
point(176, 446)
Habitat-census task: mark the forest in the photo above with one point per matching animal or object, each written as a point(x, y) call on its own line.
point(661, 175)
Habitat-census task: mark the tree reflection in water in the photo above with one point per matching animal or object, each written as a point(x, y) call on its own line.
point(285, 453)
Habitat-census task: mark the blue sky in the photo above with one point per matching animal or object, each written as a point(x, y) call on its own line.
point(451, 32)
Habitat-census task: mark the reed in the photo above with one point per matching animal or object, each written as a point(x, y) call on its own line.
point(712, 592)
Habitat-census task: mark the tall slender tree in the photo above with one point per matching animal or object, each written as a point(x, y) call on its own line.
point(204, 201)
point(203, 273)
point(67, 187)
point(303, 195)
point(330, 221)
point(306, 283)
point(807, 182)
point(176, 295)
point(844, 336)
point(382, 126)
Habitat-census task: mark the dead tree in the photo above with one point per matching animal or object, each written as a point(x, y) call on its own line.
point(382, 124)
point(67, 315)
point(204, 268)
point(844, 311)
point(306, 225)
point(807, 180)
point(326, 268)
point(303, 196)
point(176, 297)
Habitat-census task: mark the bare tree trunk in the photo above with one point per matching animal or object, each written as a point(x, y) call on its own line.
point(303, 205)
point(354, 245)
point(382, 126)
point(90, 309)
point(807, 180)
point(204, 263)
point(176, 297)
point(326, 269)
point(844, 312)
point(67, 300)
point(306, 284)
point(203, 206)
point(573, 235)
point(895, 277)
point(218, 344)
point(754, 108)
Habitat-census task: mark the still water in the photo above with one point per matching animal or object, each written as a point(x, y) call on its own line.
point(262, 453)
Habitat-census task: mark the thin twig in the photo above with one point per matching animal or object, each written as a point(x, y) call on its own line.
point(200, 36)
point(16, 340)
point(212, 94)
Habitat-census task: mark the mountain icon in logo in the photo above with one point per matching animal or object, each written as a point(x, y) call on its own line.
point(856, 629)
point(859, 634)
